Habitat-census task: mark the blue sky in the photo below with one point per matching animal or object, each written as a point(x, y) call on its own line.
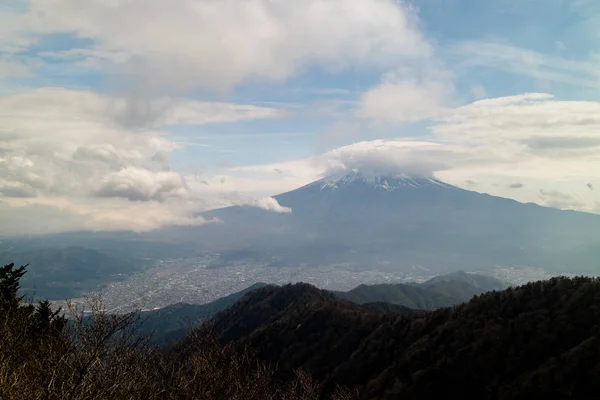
point(254, 98)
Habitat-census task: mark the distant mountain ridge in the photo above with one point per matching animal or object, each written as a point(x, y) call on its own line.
point(171, 323)
point(483, 282)
point(441, 291)
point(410, 296)
point(477, 283)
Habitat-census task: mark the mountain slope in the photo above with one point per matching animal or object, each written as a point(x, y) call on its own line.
point(440, 291)
point(463, 286)
point(414, 297)
point(403, 222)
point(483, 283)
point(398, 223)
point(540, 340)
point(171, 323)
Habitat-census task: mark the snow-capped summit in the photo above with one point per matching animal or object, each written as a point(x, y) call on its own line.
point(379, 182)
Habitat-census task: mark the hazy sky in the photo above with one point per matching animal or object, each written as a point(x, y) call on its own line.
point(133, 114)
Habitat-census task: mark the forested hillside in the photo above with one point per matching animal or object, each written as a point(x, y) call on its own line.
point(410, 296)
point(541, 340)
point(440, 291)
point(171, 323)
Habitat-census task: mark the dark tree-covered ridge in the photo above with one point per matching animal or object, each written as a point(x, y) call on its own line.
point(540, 340)
point(171, 323)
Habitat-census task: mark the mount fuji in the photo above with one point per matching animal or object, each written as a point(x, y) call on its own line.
point(400, 222)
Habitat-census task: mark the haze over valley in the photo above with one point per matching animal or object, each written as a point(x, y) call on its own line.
point(336, 233)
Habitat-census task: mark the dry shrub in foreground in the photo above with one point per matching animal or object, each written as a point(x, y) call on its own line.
point(101, 356)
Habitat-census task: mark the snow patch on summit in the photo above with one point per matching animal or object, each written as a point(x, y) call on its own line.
point(379, 182)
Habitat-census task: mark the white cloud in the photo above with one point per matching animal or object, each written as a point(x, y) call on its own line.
point(13, 68)
point(404, 101)
point(388, 157)
point(541, 141)
point(239, 186)
point(408, 96)
point(12, 37)
point(270, 204)
point(137, 184)
point(57, 141)
point(73, 147)
point(17, 190)
point(218, 44)
point(529, 135)
point(521, 61)
point(198, 112)
point(25, 219)
point(378, 157)
point(65, 141)
point(130, 111)
point(51, 215)
point(557, 199)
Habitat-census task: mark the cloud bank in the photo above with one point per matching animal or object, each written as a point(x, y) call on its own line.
point(407, 95)
point(219, 44)
point(70, 150)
